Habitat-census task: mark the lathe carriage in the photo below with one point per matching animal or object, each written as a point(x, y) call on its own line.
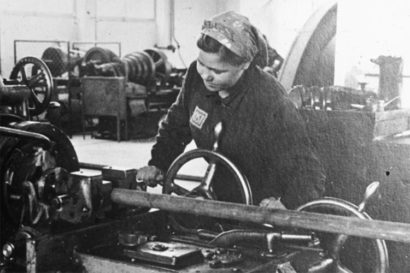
point(61, 215)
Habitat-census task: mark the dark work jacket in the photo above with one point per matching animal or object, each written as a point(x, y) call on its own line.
point(263, 135)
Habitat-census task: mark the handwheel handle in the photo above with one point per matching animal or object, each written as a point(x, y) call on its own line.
point(371, 189)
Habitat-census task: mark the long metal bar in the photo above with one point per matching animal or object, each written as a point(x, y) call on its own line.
point(374, 229)
point(6, 131)
point(92, 166)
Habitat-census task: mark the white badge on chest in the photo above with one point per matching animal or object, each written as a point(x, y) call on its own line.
point(198, 117)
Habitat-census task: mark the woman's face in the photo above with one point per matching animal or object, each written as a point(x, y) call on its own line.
point(218, 75)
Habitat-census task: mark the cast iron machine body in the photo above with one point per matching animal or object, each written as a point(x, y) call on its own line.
point(43, 192)
point(75, 220)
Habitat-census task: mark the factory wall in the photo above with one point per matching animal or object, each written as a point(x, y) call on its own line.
point(30, 20)
point(129, 23)
point(281, 20)
point(137, 24)
point(188, 18)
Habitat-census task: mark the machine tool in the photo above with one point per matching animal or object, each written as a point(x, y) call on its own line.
point(62, 215)
point(138, 84)
point(150, 84)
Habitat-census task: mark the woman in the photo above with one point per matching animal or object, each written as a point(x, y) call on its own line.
point(264, 136)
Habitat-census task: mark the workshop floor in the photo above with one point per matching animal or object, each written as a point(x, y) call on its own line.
point(129, 154)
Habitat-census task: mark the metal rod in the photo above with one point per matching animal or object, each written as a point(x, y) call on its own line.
point(374, 229)
point(377, 75)
point(186, 177)
point(92, 166)
point(6, 131)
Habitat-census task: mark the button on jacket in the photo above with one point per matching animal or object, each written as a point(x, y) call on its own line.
point(263, 135)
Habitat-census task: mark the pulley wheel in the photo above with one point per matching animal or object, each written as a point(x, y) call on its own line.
point(142, 68)
point(136, 68)
point(56, 60)
point(98, 55)
point(162, 66)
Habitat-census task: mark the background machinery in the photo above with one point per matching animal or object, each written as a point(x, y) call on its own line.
point(141, 84)
point(105, 92)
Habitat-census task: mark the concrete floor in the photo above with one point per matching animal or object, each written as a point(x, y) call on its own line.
point(130, 154)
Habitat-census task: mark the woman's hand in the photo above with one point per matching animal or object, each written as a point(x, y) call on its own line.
point(272, 202)
point(150, 175)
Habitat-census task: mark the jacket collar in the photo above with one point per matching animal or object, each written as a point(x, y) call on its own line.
point(236, 92)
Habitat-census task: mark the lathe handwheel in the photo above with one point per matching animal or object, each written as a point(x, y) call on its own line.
point(205, 189)
point(34, 74)
point(337, 243)
point(189, 223)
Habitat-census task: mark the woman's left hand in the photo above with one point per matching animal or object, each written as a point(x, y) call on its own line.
point(272, 202)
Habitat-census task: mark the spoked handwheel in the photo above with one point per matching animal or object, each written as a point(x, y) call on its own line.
point(205, 189)
point(34, 74)
point(336, 245)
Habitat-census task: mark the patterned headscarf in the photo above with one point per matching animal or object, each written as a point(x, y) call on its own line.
point(235, 32)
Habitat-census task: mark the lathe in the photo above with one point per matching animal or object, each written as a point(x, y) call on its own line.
point(61, 215)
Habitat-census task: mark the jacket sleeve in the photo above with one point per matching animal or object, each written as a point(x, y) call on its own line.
point(302, 176)
point(174, 132)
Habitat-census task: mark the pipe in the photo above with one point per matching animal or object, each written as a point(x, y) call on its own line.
point(6, 131)
point(236, 236)
point(11, 95)
point(171, 22)
point(374, 229)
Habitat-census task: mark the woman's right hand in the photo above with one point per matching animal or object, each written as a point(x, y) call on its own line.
point(150, 175)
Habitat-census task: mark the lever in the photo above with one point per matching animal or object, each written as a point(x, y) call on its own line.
point(371, 189)
point(217, 133)
point(204, 187)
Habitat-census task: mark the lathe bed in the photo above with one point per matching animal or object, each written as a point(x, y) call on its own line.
point(145, 243)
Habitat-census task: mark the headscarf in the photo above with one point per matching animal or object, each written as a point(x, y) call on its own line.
point(236, 33)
